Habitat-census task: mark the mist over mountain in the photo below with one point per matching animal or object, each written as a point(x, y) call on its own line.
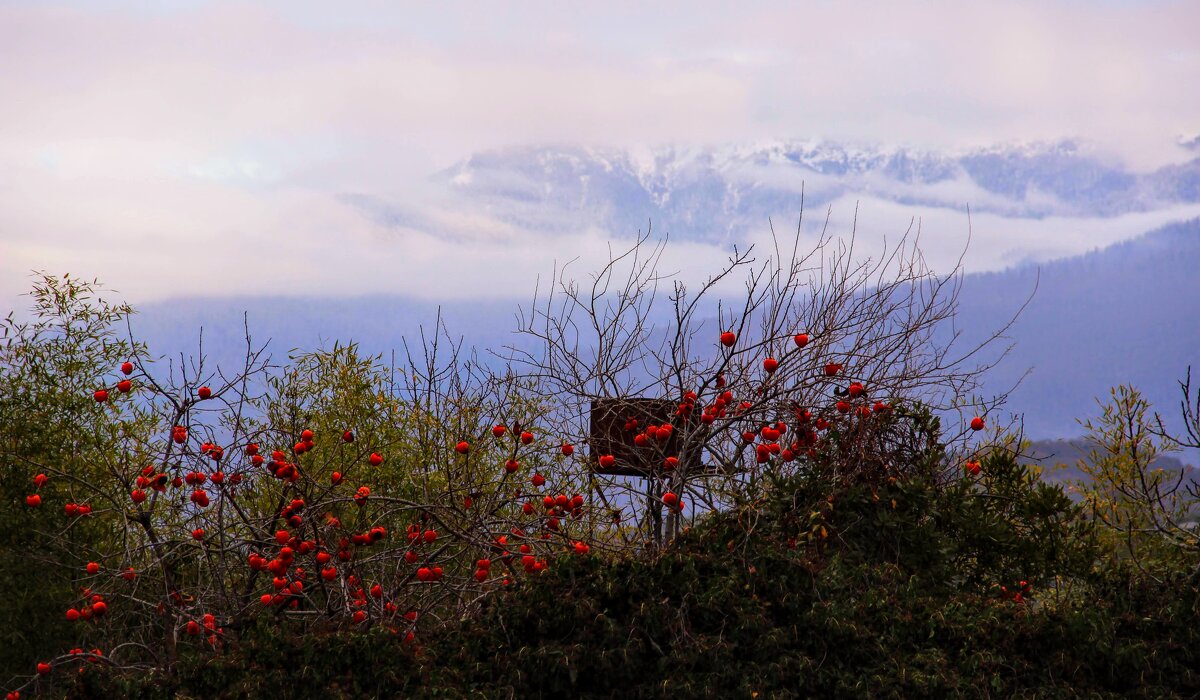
point(1122, 313)
point(711, 194)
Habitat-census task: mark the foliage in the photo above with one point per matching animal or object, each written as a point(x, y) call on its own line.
point(163, 522)
point(49, 367)
point(343, 526)
point(1143, 508)
point(892, 602)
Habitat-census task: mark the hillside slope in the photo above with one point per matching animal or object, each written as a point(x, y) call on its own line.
point(1127, 314)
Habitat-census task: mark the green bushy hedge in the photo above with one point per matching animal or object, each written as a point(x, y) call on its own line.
point(899, 599)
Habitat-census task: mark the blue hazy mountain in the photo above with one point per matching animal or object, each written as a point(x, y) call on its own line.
point(1127, 313)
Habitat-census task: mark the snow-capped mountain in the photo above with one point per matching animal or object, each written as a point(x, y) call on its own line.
point(711, 194)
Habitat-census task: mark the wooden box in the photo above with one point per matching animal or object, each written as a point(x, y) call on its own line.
point(609, 436)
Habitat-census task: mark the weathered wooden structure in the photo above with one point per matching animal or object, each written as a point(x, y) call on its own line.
point(609, 436)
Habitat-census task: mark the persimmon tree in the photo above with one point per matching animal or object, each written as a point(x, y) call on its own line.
point(772, 362)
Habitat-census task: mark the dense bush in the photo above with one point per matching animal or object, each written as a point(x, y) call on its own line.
point(892, 602)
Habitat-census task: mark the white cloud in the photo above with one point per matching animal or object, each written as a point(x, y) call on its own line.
point(996, 242)
point(205, 148)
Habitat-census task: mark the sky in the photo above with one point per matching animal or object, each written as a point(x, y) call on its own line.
point(206, 148)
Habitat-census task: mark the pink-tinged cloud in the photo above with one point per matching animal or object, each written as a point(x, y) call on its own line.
point(208, 147)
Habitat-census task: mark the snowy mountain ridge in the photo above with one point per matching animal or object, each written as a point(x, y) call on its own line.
point(728, 187)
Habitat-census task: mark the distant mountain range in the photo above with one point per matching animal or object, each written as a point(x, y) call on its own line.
point(1060, 459)
point(712, 194)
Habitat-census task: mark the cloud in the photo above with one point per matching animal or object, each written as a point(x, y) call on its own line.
point(209, 148)
point(995, 242)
